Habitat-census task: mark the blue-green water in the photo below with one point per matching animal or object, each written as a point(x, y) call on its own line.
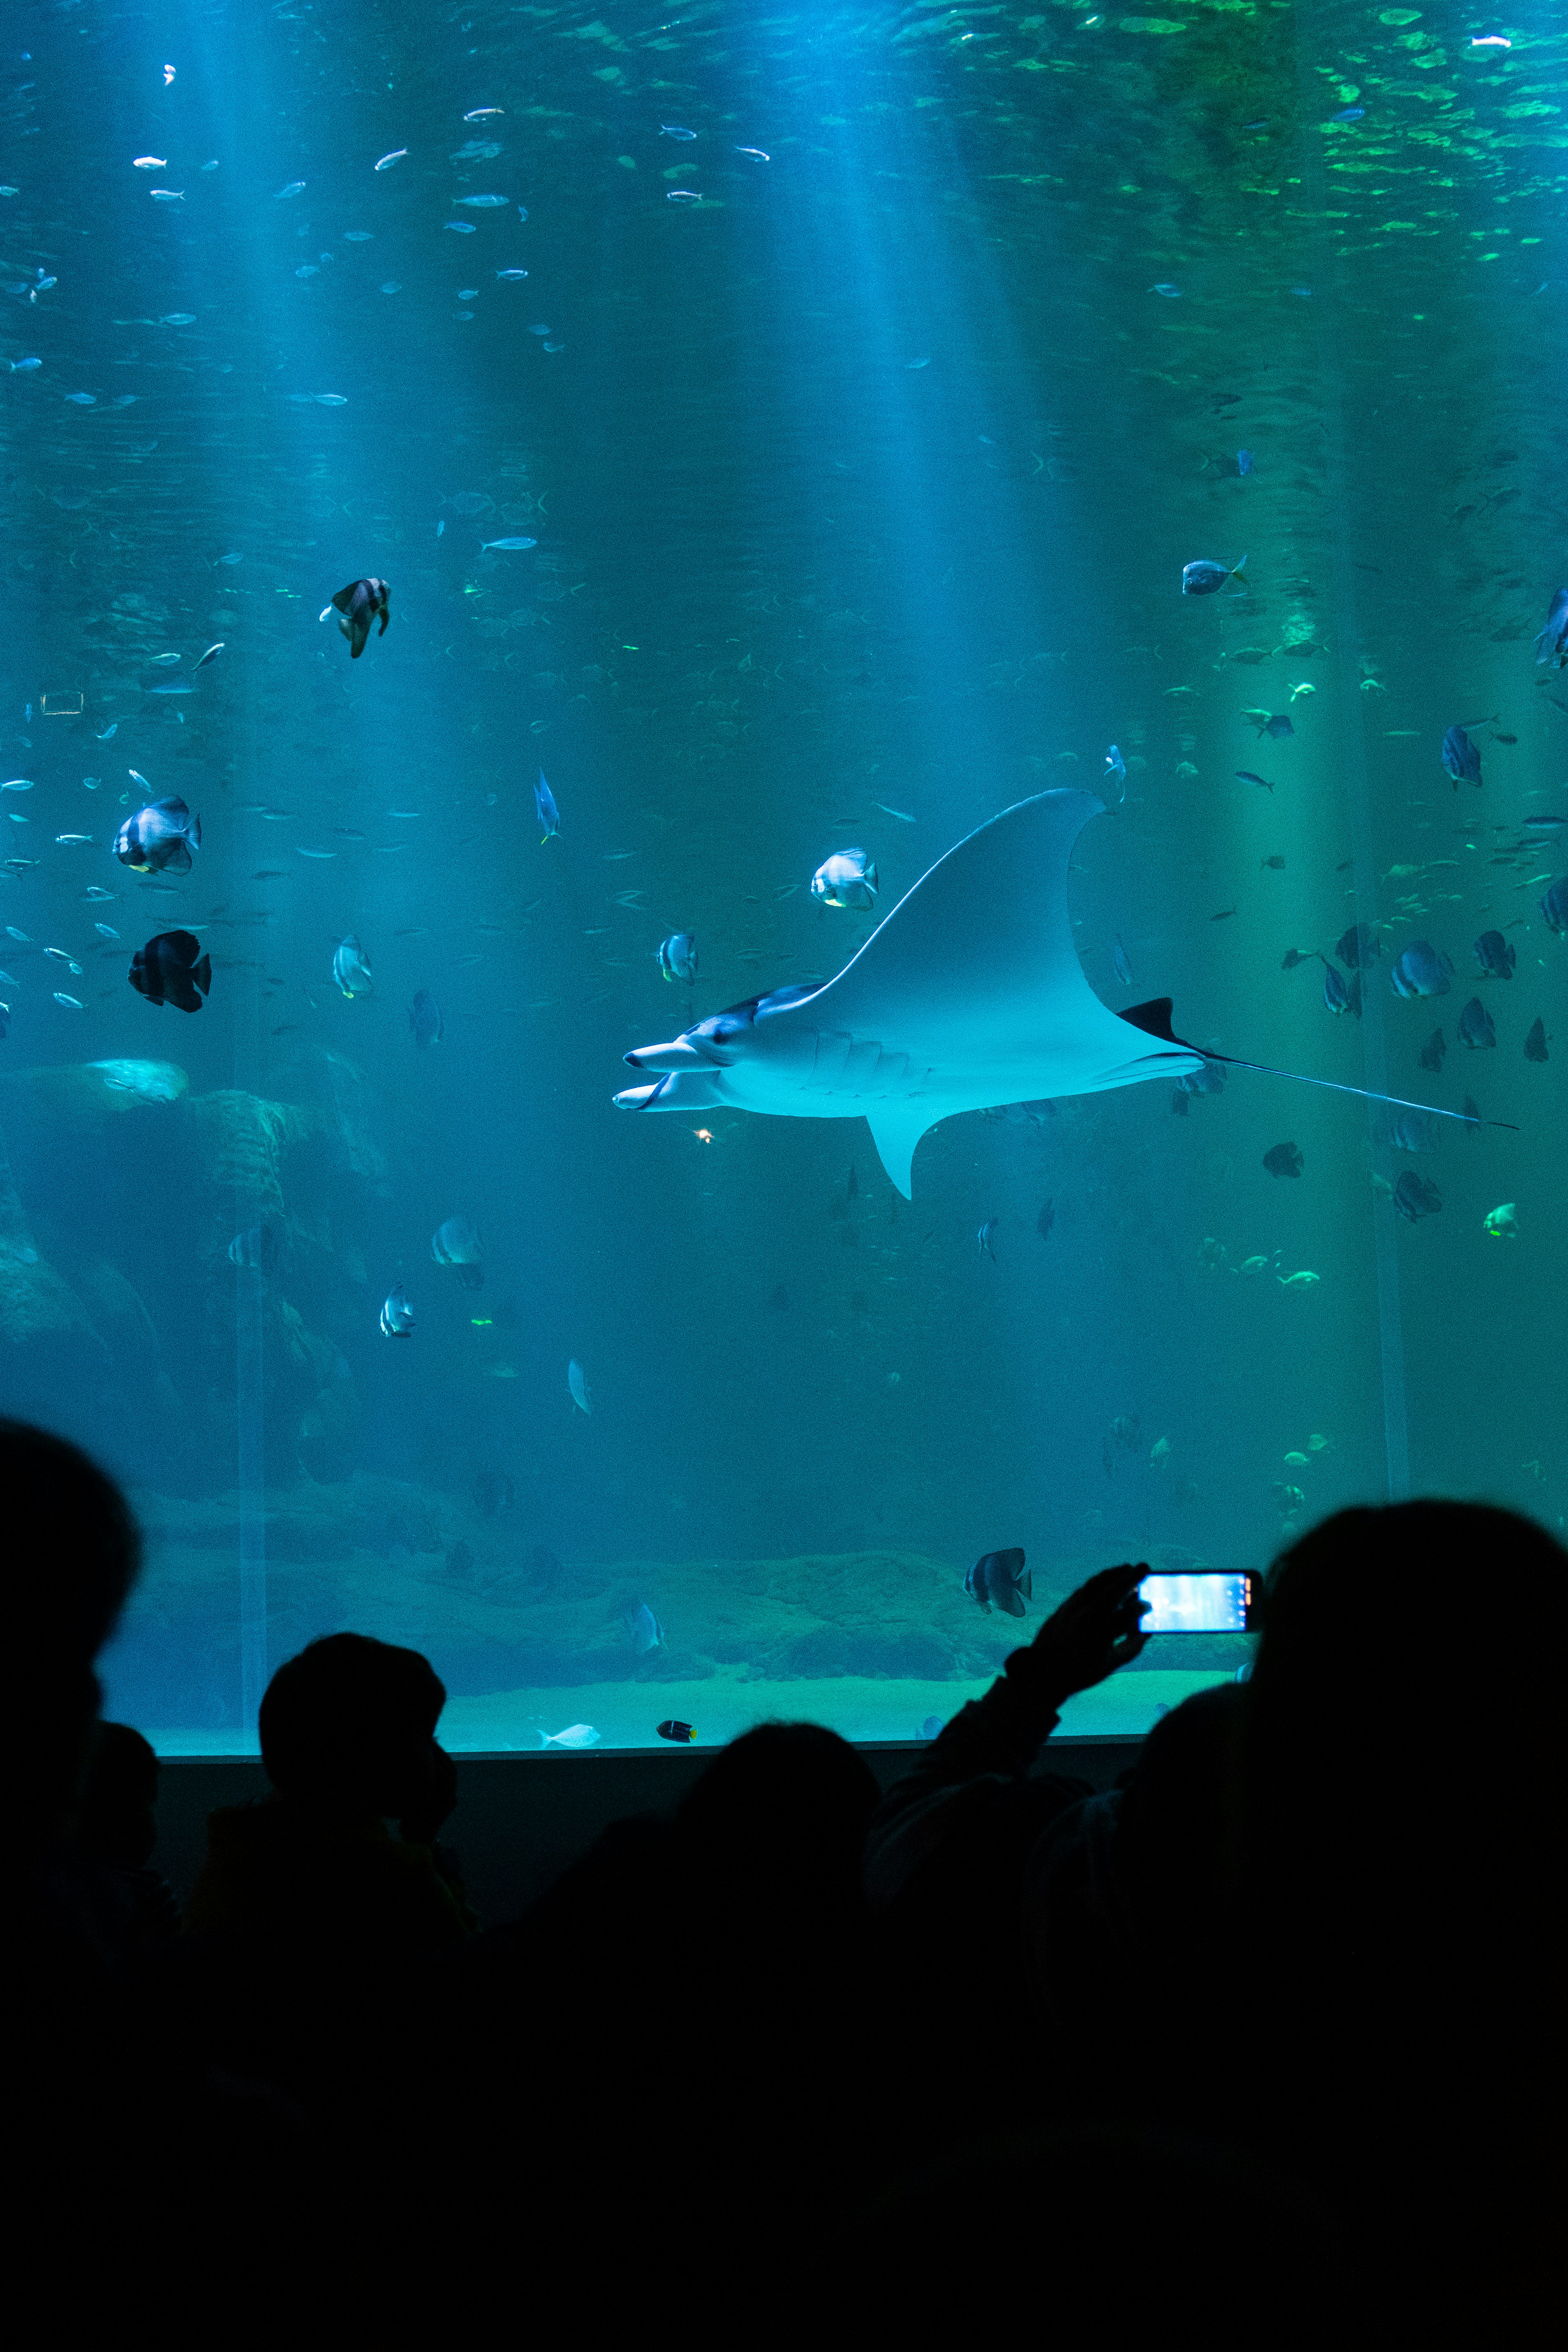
point(860, 437)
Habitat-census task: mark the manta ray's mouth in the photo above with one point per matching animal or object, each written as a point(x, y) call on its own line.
point(677, 1055)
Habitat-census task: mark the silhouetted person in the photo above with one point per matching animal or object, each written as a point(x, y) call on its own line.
point(946, 1862)
point(103, 2114)
point(1399, 1868)
point(774, 1833)
point(1125, 1914)
point(117, 1824)
point(348, 1740)
point(71, 1555)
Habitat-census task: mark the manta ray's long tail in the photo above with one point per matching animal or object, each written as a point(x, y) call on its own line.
point(1154, 1019)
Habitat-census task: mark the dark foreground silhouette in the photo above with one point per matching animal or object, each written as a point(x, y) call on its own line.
point(1260, 2045)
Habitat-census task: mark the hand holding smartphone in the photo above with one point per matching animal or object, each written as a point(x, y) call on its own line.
point(1205, 1600)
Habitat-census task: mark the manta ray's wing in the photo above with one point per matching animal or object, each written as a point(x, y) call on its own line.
point(974, 984)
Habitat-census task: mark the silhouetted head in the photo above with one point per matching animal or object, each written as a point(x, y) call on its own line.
point(352, 1721)
point(1396, 1795)
point(116, 1817)
point(71, 1555)
point(779, 1819)
point(1388, 1631)
point(1170, 1832)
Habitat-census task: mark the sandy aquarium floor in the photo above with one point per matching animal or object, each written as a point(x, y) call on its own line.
point(872, 1643)
point(724, 1705)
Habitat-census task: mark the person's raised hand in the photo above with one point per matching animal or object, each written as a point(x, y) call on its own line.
point(1095, 1630)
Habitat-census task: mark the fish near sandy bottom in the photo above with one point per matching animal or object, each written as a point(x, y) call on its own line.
point(1000, 1577)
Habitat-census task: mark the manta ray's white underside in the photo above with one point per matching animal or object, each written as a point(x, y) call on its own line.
point(968, 995)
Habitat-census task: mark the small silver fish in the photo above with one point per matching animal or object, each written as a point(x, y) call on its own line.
point(350, 969)
point(396, 1314)
point(848, 878)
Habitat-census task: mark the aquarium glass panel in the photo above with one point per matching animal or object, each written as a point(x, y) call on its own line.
point(980, 593)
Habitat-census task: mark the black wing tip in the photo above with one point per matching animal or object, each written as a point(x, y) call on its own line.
point(1154, 1019)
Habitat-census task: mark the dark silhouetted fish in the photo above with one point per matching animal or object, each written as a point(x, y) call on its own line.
point(1208, 1080)
point(673, 1728)
point(159, 838)
point(1554, 907)
point(173, 969)
point(1535, 1044)
point(1433, 1051)
point(1358, 947)
point(1181, 1104)
point(458, 1242)
point(1202, 579)
point(1460, 758)
point(1415, 1197)
point(999, 1577)
point(1413, 1130)
point(1284, 1159)
point(1046, 1220)
point(493, 1492)
point(643, 1629)
point(425, 1019)
point(1475, 1026)
point(1420, 970)
point(1495, 955)
point(259, 1248)
point(1472, 1114)
point(1552, 644)
point(357, 605)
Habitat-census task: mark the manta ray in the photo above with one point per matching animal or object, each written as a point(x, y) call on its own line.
point(967, 996)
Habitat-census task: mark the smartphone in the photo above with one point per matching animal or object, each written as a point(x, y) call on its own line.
point(1205, 1600)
